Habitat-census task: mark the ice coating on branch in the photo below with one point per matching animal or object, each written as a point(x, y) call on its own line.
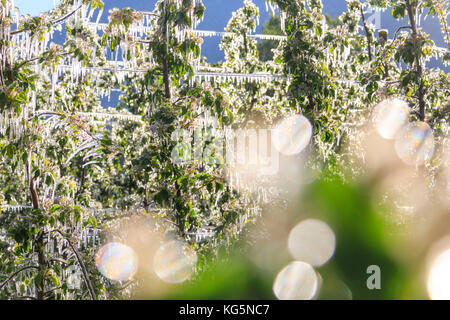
point(84, 146)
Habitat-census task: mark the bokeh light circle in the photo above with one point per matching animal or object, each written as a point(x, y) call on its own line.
point(116, 261)
point(312, 241)
point(174, 262)
point(292, 135)
point(296, 281)
point(439, 277)
point(390, 116)
point(415, 144)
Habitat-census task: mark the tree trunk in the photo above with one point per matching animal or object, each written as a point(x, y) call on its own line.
point(165, 62)
point(419, 68)
point(166, 78)
point(368, 36)
point(39, 246)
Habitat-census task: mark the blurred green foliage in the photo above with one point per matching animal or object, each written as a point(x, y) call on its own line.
point(363, 235)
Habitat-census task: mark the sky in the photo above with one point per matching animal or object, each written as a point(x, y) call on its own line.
point(218, 12)
point(33, 7)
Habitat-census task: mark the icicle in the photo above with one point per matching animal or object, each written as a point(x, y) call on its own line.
point(91, 13)
point(347, 52)
point(100, 13)
point(84, 146)
point(324, 28)
point(85, 238)
point(272, 8)
point(116, 58)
